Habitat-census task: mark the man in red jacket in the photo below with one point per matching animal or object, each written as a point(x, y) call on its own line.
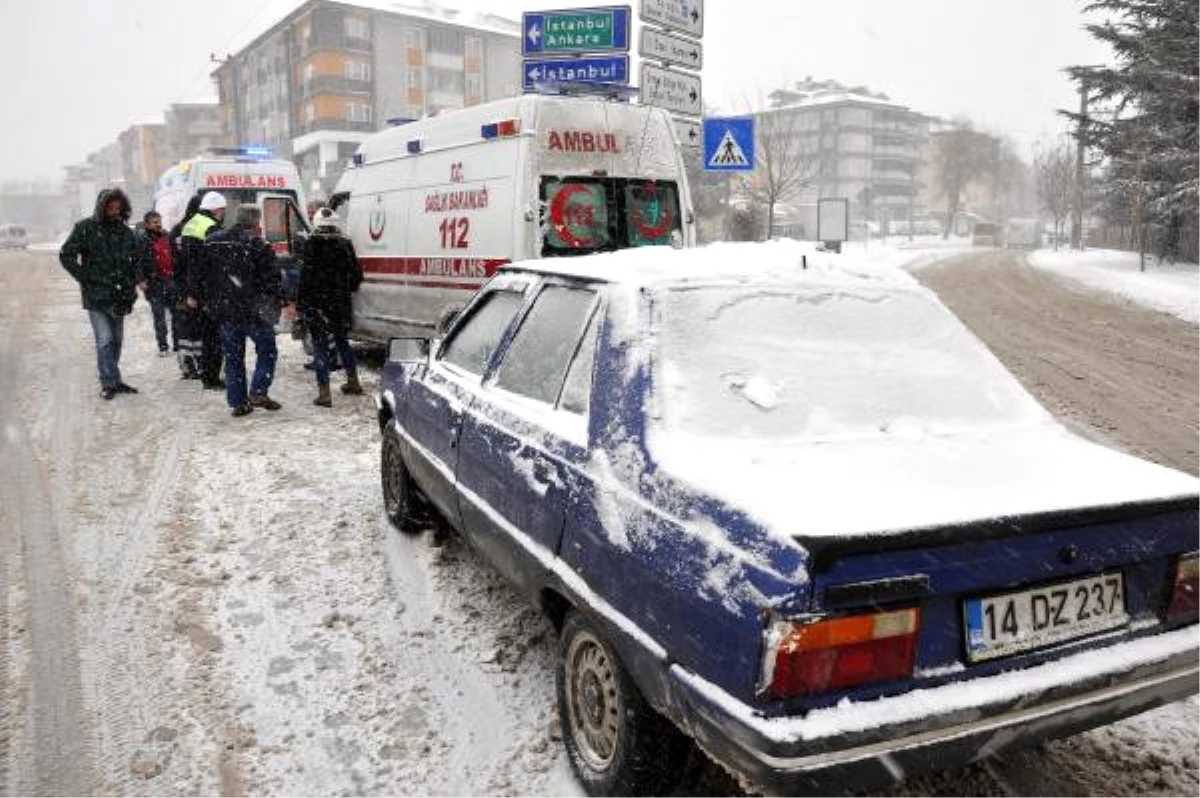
point(159, 267)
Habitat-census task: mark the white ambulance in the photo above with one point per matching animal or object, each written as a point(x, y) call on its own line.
point(244, 175)
point(435, 206)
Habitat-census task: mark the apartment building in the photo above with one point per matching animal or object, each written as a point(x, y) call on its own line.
point(857, 145)
point(331, 72)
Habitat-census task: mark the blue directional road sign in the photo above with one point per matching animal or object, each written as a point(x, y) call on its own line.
point(576, 30)
point(729, 144)
point(588, 69)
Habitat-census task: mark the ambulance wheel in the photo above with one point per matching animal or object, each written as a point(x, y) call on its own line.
point(616, 743)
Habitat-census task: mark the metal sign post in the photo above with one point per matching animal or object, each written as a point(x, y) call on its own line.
point(670, 49)
point(575, 47)
point(671, 44)
point(729, 144)
point(667, 88)
point(685, 16)
point(571, 31)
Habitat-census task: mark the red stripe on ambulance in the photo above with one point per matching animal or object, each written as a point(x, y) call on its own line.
point(467, 268)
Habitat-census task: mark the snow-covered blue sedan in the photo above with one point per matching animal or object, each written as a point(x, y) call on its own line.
point(787, 506)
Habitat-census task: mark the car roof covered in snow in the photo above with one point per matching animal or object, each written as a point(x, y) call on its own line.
point(775, 262)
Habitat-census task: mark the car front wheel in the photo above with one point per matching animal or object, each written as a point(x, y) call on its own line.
point(401, 499)
point(616, 742)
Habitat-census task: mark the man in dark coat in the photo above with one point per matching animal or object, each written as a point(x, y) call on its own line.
point(101, 254)
point(158, 265)
point(242, 287)
point(204, 223)
point(329, 275)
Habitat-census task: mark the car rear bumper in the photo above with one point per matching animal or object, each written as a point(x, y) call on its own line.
point(855, 747)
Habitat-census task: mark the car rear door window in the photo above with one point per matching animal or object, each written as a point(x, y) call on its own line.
point(576, 393)
point(471, 346)
point(536, 363)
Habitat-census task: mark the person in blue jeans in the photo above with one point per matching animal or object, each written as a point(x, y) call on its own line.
point(101, 254)
point(242, 288)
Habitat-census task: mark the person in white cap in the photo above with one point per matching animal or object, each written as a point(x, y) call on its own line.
point(206, 221)
point(328, 276)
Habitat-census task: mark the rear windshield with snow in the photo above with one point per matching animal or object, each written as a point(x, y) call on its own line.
point(735, 361)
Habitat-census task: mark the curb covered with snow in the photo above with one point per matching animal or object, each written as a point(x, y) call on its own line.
point(1171, 288)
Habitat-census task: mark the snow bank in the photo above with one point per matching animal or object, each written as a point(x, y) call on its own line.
point(1171, 288)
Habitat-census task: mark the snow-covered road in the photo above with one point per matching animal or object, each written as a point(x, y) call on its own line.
point(196, 604)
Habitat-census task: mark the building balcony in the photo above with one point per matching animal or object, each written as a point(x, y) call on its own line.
point(334, 84)
point(892, 151)
point(314, 43)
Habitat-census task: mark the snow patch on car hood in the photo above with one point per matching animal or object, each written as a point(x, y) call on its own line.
point(894, 483)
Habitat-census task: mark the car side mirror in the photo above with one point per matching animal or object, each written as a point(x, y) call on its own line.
point(408, 350)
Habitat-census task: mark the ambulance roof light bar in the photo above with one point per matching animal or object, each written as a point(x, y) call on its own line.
point(253, 152)
point(500, 129)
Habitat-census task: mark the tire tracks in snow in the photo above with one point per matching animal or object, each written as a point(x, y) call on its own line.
point(54, 732)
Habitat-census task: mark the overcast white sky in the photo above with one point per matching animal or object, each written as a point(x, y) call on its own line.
point(78, 72)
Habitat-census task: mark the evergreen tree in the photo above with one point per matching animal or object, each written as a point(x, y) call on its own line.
point(1144, 118)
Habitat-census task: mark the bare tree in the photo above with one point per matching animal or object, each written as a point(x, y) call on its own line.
point(963, 154)
point(1054, 170)
point(785, 161)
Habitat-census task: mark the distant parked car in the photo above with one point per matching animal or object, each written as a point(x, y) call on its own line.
point(13, 236)
point(793, 510)
point(985, 234)
point(1023, 234)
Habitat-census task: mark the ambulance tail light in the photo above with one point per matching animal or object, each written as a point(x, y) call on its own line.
point(1185, 605)
point(504, 128)
point(813, 657)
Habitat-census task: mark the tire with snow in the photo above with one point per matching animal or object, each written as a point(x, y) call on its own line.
point(617, 743)
point(402, 501)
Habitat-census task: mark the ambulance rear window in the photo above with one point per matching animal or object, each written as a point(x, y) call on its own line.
point(576, 215)
point(590, 214)
point(651, 213)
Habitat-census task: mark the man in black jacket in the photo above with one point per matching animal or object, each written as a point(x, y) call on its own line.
point(329, 276)
point(241, 285)
point(101, 254)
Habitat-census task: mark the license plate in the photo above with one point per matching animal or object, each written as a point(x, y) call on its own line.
point(1022, 621)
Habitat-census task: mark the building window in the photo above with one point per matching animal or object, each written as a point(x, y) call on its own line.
point(414, 79)
point(308, 73)
point(446, 40)
point(414, 39)
point(359, 112)
point(474, 86)
point(310, 113)
point(356, 28)
point(356, 70)
point(474, 46)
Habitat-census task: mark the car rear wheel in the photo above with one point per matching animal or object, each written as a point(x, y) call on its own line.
point(617, 743)
point(402, 501)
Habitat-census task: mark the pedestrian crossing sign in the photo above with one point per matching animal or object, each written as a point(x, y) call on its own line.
point(729, 144)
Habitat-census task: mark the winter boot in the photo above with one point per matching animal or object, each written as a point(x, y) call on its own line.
point(352, 387)
point(323, 398)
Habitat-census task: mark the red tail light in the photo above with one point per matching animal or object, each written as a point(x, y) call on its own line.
point(1184, 604)
point(816, 657)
